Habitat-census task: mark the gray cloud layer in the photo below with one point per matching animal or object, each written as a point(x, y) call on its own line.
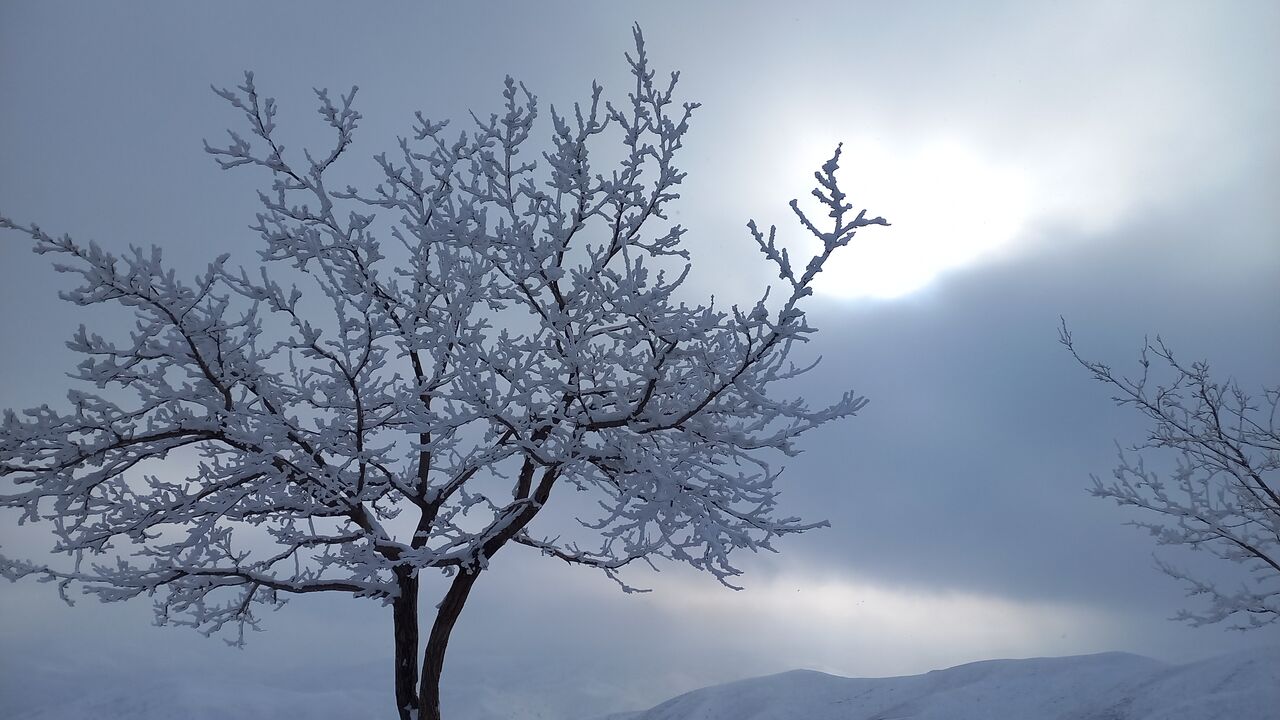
point(1146, 131)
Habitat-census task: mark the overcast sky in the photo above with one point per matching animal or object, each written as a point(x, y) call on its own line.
point(1116, 164)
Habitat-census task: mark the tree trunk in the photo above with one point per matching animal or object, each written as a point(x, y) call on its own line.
point(433, 660)
point(404, 613)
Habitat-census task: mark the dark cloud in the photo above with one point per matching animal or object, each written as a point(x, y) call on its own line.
point(1145, 133)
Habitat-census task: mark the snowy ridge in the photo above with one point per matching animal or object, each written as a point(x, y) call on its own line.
point(1109, 686)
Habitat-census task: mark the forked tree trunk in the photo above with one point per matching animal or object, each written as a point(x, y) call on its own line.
point(433, 660)
point(450, 607)
point(404, 612)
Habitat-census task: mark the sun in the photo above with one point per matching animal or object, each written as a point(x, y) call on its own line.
point(948, 206)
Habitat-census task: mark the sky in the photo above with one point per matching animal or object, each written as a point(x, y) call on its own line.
point(1113, 164)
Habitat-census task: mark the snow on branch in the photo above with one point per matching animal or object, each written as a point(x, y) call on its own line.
point(338, 416)
point(1222, 495)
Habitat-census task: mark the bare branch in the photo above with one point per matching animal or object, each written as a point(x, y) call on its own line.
point(1221, 495)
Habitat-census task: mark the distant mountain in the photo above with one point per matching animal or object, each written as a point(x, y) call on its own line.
point(1109, 686)
point(490, 689)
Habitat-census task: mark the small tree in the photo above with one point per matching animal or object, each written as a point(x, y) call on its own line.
point(519, 337)
point(1223, 494)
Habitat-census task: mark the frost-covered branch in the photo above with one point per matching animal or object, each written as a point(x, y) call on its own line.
point(1222, 495)
point(497, 312)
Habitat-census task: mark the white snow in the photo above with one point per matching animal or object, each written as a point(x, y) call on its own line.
point(1109, 686)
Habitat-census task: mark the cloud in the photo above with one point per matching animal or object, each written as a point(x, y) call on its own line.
point(1130, 150)
point(854, 626)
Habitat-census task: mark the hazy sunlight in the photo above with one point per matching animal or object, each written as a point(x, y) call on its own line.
point(949, 208)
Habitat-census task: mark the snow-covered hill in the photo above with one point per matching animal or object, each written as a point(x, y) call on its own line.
point(1109, 686)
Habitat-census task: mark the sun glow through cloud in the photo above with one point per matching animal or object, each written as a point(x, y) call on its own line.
point(949, 207)
point(828, 623)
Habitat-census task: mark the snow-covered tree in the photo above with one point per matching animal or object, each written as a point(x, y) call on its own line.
point(1222, 492)
point(496, 323)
